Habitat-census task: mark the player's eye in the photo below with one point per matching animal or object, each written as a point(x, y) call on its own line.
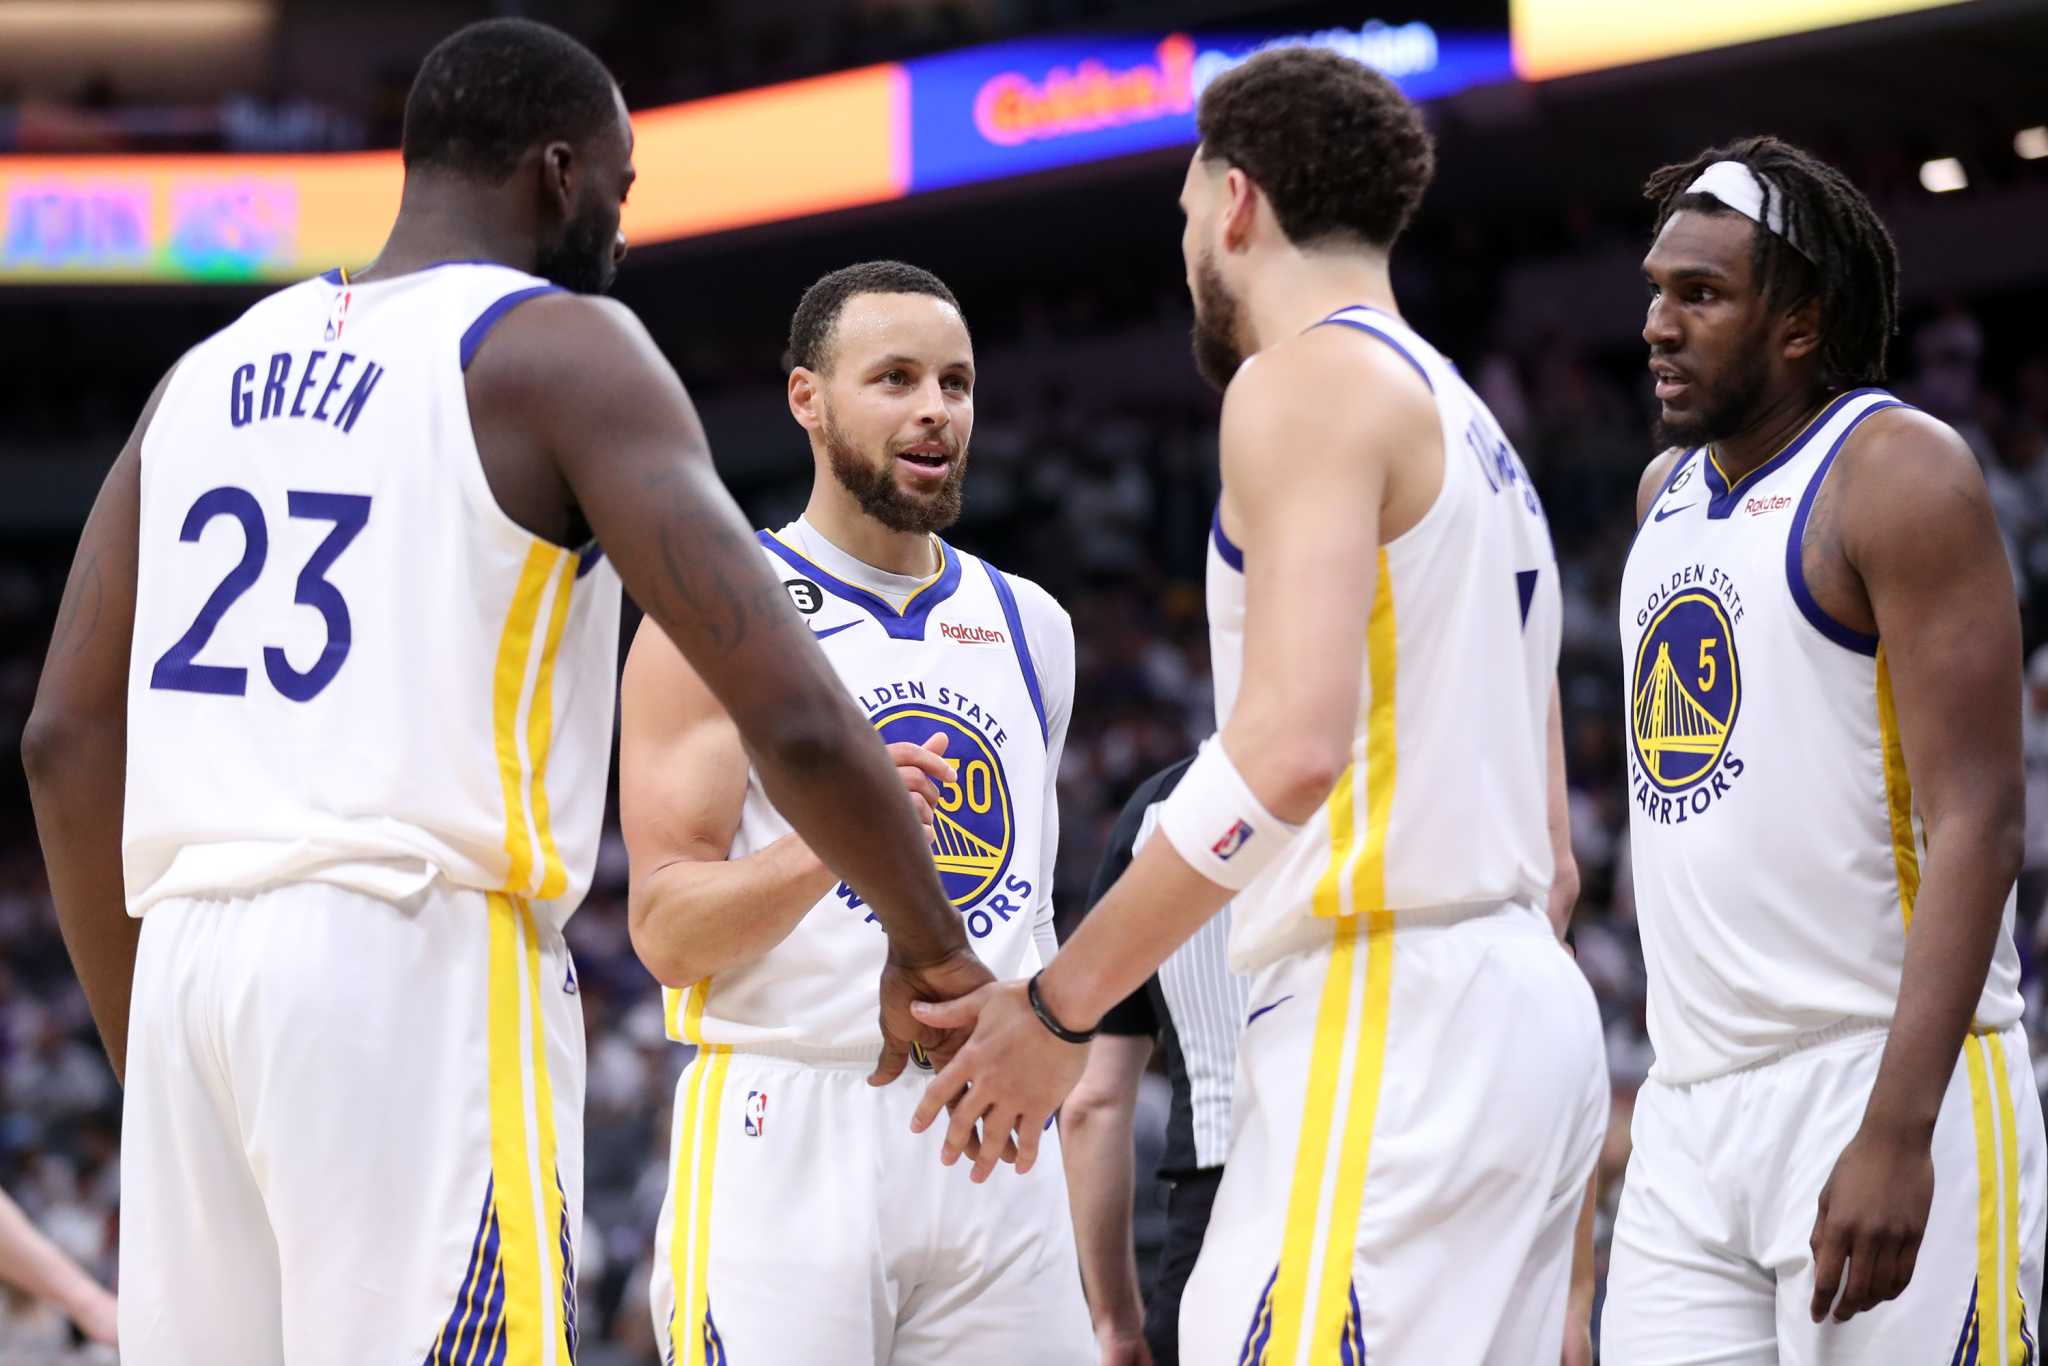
point(957, 383)
point(895, 377)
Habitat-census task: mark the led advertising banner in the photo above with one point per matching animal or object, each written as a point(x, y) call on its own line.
point(782, 152)
point(760, 156)
point(1564, 37)
point(1012, 108)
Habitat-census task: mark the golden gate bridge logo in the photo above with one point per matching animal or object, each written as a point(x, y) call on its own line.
point(1683, 704)
point(974, 831)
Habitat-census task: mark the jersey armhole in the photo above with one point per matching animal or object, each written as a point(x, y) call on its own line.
point(1795, 541)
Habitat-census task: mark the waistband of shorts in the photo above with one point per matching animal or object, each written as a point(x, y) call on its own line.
point(1842, 1031)
point(1513, 918)
point(860, 1056)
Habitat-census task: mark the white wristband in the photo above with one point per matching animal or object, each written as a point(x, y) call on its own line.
point(1215, 822)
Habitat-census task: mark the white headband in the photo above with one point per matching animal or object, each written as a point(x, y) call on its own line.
point(1737, 186)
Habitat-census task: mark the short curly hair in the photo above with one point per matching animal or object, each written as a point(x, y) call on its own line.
point(817, 313)
point(1338, 150)
point(494, 89)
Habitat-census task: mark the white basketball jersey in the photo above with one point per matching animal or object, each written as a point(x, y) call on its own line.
point(1776, 851)
point(1441, 813)
point(350, 666)
point(975, 654)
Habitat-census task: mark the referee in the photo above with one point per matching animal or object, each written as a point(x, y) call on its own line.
point(1194, 1008)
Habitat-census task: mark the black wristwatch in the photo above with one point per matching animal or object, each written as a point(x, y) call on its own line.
point(1059, 1031)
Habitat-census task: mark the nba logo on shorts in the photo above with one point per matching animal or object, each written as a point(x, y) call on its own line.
point(757, 1113)
point(1233, 840)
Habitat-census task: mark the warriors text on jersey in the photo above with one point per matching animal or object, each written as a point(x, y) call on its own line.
point(1776, 846)
point(975, 654)
point(1443, 804)
point(350, 666)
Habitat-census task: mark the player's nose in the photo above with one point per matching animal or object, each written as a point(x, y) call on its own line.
point(1660, 324)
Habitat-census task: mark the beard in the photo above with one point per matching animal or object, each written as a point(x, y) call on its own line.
point(581, 261)
point(1724, 409)
point(874, 486)
point(1217, 353)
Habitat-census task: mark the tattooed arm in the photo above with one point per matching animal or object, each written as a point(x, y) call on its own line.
point(75, 747)
point(571, 388)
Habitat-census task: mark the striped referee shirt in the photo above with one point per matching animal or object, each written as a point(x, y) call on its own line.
point(1194, 1005)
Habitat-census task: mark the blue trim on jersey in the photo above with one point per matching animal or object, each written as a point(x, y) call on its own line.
point(1723, 497)
point(905, 625)
point(1016, 619)
point(587, 558)
point(333, 277)
point(1225, 547)
point(488, 319)
point(1795, 540)
point(1390, 340)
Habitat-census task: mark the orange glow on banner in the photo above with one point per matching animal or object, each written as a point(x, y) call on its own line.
point(1564, 37)
point(756, 157)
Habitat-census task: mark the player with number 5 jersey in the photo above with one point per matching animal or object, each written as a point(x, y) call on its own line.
point(320, 752)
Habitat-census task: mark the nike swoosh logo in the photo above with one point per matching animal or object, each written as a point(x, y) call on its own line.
point(1662, 513)
point(1263, 1009)
point(833, 631)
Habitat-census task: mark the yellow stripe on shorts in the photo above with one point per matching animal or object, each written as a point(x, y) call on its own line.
point(690, 1233)
point(522, 1172)
point(2015, 1306)
point(1310, 1299)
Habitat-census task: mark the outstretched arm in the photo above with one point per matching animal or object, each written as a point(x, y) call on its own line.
point(1311, 549)
point(75, 748)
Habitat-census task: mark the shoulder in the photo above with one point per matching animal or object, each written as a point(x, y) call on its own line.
point(556, 333)
point(1654, 476)
point(1903, 475)
point(1905, 444)
point(1330, 373)
point(1035, 605)
point(1322, 396)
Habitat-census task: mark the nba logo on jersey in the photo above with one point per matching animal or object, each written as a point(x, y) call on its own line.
point(1233, 840)
point(756, 1113)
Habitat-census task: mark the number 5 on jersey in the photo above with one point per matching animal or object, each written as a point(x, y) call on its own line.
point(178, 670)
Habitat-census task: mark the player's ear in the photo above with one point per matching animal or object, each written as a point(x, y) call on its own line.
point(1800, 332)
point(1240, 208)
point(558, 170)
point(806, 388)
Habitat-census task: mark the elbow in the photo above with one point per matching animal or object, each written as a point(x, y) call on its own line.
point(47, 742)
point(1088, 1113)
point(1303, 772)
point(667, 966)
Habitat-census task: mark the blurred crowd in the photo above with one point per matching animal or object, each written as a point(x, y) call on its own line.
point(1107, 505)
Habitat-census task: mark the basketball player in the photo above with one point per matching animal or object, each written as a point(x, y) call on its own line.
point(1838, 1153)
point(328, 708)
point(803, 1223)
point(1420, 1086)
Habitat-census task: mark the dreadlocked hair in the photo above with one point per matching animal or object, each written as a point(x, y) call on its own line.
point(1851, 265)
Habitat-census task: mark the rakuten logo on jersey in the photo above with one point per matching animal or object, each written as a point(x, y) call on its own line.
point(1757, 507)
point(972, 635)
